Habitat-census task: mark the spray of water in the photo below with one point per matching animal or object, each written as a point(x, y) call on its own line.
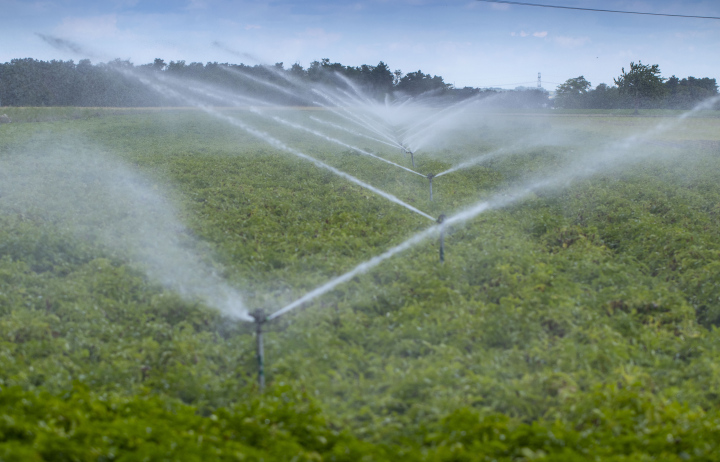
point(334, 140)
point(488, 156)
point(340, 109)
point(95, 197)
point(210, 92)
point(167, 91)
point(352, 132)
point(419, 135)
point(270, 85)
point(616, 155)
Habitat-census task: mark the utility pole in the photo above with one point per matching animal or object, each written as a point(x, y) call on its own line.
point(539, 81)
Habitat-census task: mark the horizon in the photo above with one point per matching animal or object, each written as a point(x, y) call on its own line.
point(469, 43)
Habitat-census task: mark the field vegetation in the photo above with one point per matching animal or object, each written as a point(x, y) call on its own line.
point(581, 322)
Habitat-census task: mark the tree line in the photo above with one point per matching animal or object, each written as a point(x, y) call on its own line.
point(641, 86)
point(31, 82)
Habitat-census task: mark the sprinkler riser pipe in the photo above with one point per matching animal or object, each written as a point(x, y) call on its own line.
point(441, 220)
point(260, 358)
point(260, 319)
point(442, 245)
point(430, 177)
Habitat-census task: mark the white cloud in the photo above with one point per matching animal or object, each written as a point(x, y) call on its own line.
point(522, 33)
point(252, 26)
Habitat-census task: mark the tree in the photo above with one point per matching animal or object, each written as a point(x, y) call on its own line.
point(297, 71)
point(642, 83)
point(604, 97)
point(381, 79)
point(571, 94)
point(416, 83)
point(158, 64)
point(686, 93)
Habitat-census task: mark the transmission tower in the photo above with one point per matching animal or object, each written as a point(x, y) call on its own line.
point(539, 81)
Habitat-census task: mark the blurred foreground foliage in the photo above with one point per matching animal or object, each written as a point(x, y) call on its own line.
point(574, 325)
point(623, 422)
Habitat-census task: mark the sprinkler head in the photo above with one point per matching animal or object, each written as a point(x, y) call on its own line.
point(259, 316)
point(441, 218)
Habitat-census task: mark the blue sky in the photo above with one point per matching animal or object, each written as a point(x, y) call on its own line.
point(467, 42)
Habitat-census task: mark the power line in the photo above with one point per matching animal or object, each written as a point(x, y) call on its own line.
point(598, 10)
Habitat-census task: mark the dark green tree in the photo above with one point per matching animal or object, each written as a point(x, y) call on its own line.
point(296, 70)
point(686, 93)
point(604, 97)
point(381, 78)
point(572, 93)
point(642, 83)
point(416, 83)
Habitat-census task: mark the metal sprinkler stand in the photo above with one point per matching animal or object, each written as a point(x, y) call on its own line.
point(260, 319)
point(408, 151)
point(430, 177)
point(441, 220)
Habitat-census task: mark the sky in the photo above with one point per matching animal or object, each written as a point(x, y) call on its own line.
point(468, 43)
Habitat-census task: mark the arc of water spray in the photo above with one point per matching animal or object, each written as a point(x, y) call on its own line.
point(424, 127)
point(260, 81)
point(337, 112)
point(207, 91)
point(373, 262)
point(498, 201)
point(353, 132)
point(350, 116)
point(334, 140)
point(352, 85)
point(276, 143)
point(481, 158)
point(224, 96)
point(432, 119)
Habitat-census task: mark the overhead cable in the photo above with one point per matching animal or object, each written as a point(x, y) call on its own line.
point(599, 10)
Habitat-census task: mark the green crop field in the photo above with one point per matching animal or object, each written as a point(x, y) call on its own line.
point(578, 322)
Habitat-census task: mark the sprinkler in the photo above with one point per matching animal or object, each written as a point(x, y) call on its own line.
point(407, 150)
point(441, 220)
point(430, 178)
point(260, 319)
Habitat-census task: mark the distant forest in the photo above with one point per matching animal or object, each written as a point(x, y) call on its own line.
point(31, 82)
